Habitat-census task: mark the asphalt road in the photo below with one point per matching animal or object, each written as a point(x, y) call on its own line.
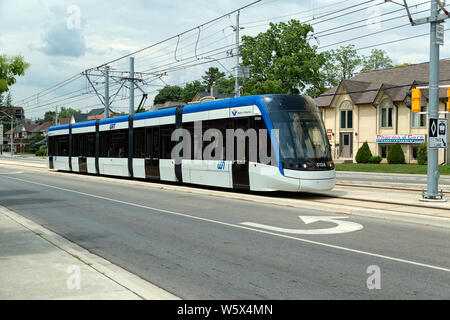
point(196, 247)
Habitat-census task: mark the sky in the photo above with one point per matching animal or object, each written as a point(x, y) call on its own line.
point(61, 39)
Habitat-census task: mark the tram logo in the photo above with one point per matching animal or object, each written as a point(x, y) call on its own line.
point(234, 112)
point(112, 126)
point(221, 165)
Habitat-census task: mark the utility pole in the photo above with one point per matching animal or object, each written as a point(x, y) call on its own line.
point(436, 40)
point(433, 104)
point(12, 136)
point(56, 116)
point(106, 99)
point(237, 91)
point(131, 112)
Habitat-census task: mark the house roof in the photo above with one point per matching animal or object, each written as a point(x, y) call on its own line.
point(395, 82)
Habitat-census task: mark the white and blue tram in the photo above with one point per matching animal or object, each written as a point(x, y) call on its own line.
point(140, 146)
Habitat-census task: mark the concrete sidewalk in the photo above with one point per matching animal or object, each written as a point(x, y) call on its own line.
point(36, 264)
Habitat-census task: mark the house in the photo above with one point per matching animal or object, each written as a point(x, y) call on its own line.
point(372, 107)
point(25, 133)
point(94, 114)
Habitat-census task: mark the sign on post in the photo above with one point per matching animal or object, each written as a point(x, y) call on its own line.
point(437, 132)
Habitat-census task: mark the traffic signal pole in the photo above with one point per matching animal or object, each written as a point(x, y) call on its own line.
point(436, 39)
point(433, 105)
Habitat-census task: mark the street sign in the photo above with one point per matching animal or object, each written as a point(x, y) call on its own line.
point(440, 34)
point(437, 133)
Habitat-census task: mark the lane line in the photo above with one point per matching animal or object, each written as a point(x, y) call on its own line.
point(238, 226)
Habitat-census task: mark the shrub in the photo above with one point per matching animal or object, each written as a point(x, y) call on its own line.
point(375, 159)
point(395, 154)
point(363, 155)
point(422, 154)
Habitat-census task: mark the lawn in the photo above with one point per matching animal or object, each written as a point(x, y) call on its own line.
point(389, 168)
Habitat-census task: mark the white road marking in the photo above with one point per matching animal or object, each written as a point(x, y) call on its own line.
point(241, 227)
point(16, 172)
point(341, 226)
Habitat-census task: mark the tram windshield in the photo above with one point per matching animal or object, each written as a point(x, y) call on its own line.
point(302, 139)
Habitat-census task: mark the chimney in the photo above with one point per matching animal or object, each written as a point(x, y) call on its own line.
point(213, 92)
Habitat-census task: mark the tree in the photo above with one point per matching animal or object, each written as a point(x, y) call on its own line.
point(395, 154)
point(225, 85)
point(168, 93)
point(342, 63)
point(10, 69)
point(190, 90)
point(212, 75)
point(251, 87)
point(422, 154)
point(67, 112)
point(50, 116)
point(378, 59)
point(364, 154)
point(284, 56)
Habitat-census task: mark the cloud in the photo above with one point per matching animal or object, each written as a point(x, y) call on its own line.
point(64, 36)
point(59, 41)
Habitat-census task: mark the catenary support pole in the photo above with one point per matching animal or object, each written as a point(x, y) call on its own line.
point(237, 90)
point(131, 112)
point(106, 100)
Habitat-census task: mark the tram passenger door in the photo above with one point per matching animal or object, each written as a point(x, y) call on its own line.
point(241, 179)
point(153, 153)
point(82, 158)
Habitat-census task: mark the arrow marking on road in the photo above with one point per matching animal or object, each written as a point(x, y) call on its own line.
point(341, 226)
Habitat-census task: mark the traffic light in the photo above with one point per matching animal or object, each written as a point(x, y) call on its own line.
point(448, 99)
point(415, 95)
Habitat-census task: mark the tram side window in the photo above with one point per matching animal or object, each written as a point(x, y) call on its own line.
point(263, 134)
point(82, 145)
point(166, 143)
point(139, 143)
point(91, 144)
point(62, 146)
point(222, 125)
point(75, 145)
point(119, 144)
point(105, 144)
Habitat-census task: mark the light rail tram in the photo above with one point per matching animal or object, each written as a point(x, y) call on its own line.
point(140, 146)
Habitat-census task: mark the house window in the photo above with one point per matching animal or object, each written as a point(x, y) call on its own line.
point(384, 151)
point(419, 120)
point(346, 115)
point(387, 114)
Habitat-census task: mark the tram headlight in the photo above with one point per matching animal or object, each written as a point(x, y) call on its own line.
point(330, 164)
point(305, 165)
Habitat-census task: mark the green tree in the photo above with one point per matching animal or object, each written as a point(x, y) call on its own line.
point(395, 154)
point(342, 63)
point(284, 56)
point(378, 59)
point(50, 116)
point(67, 112)
point(33, 144)
point(364, 154)
point(251, 87)
point(225, 85)
point(422, 154)
point(10, 69)
point(168, 93)
point(190, 90)
point(211, 75)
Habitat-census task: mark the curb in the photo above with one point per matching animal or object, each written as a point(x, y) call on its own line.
point(129, 281)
